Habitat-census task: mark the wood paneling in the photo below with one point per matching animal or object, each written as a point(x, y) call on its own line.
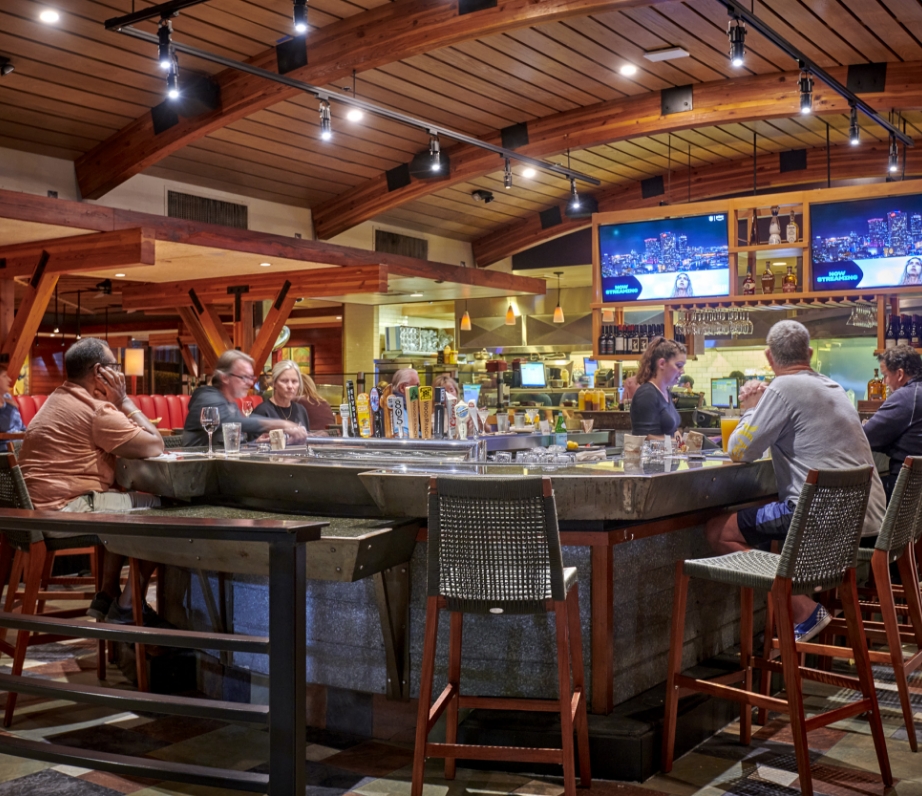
point(328, 349)
point(46, 366)
point(126, 248)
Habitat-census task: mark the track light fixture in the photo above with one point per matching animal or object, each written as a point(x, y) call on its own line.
point(507, 176)
point(853, 130)
point(326, 121)
point(354, 114)
point(558, 311)
point(165, 47)
point(736, 32)
point(806, 91)
point(893, 162)
point(574, 195)
point(435, 152)
point(299, 15)
point(5, 66)
point(172, 80)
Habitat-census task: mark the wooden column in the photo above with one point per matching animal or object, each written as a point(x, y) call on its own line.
point(7, 307)
point(26, 322)
point(190, 319)
point(272, 326)
point(187, 358)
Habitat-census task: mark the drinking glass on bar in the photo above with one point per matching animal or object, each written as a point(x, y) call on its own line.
point(210, 419)
point(231, 438)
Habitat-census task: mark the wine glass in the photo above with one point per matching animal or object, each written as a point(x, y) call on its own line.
point(247, 408)
point(210, 419)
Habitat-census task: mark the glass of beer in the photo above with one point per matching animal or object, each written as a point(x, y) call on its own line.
point(727, 427)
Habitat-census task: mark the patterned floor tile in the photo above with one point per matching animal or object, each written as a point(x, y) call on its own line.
point(373, 758)
point(117, 783)
point(109, 738)
point(48, 783)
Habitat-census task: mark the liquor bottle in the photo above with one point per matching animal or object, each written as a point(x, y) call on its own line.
point(792, 231)
point(644, 338)
point(754, 228)
point(610, 341)
point(619, 339)
point(917, 331)
point(774, 228)
point(768, 279)
point(602, 342)
point(891, 334)
point(789, 281)
point(749, 284)
point(876, 388)
point(905, 335)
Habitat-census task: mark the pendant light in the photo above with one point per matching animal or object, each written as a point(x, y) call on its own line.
point(510, 316)
point(558, 312)
point(57, 329)
point(79, 336)
point(465, 319)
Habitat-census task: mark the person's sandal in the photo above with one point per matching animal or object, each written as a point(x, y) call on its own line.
point(99, 607)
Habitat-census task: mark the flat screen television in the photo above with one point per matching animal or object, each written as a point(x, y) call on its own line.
point(663, 259)
point(867, 243)
point(533, 374)
point(725, 393)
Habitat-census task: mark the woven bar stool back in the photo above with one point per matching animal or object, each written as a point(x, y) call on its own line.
point(819, 554)
point(494, 548)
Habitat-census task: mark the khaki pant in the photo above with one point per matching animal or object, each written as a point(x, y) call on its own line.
point(106, 503)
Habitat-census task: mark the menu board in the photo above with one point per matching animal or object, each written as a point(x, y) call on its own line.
point(667, 258)
point(867, 243)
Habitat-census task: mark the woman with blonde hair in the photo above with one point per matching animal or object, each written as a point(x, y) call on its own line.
point(653, 414)
point(285, 380)
point(318, 411)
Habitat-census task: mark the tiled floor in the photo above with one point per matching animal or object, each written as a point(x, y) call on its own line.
point(843, 757)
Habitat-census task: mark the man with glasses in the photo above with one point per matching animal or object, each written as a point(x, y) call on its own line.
point(68, 456)
point(233, 378)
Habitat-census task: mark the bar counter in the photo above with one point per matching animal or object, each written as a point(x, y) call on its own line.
point(656, 506)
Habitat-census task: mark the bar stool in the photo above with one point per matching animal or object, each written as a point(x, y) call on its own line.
point(494, 548)
point(819, 554)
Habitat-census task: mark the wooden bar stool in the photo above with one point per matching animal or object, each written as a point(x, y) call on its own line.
point(494, 548)
point(819, 554)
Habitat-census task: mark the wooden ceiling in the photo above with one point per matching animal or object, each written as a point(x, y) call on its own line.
point(75, 85)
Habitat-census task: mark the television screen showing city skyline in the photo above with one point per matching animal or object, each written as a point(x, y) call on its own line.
point(668, 258)
point(867, 243)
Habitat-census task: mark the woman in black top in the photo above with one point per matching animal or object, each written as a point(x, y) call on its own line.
point(286, 388)
point(653, 414)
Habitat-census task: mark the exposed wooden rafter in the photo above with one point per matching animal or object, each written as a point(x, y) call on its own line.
point(272, 325)
point(191, 320)
point(25, 325)
point(124, 248)
point(760, 97)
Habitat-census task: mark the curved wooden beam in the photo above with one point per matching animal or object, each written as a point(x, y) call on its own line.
point(709, 182)
point(755, 98)
point(383, 35)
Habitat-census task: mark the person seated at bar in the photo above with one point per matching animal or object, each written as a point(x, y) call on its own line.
point(10, 419)
point(319, 413)
point(653, 415)
point(809, 423)
point(233, 378)
point(896, 427)
point(286, 389)
point(68, 458)
point(448, 383)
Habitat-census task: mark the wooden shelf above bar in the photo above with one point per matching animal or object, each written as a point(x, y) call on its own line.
point(764, 247)
point(776, 300)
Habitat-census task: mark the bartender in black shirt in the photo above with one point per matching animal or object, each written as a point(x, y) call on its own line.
point(653, 414)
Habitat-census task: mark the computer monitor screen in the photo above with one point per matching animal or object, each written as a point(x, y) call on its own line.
point(590, 366)
point(471, 392)
point(725, 393)
point(533, 374)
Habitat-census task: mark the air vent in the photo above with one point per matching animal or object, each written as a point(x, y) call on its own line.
point(394, 243)
point(208, 211)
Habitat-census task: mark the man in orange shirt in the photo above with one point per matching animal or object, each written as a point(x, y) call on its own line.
point(69, 451)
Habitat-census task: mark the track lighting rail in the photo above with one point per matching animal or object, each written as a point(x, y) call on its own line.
point(167, 9)
point(354, 102)
point(743, 13)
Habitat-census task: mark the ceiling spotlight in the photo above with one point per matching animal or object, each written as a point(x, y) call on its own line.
point(326, 122)
point(165, 46)
point(853, 133)
point(736, 32)
point(893, 162)
point(628, 70)
point(574, 195)
point(355, 115)
point(49, 16)
point(806, 92)
point(172, 80)
point(529, 173)
point(482, 196)
point(435, 152)
point(507, 176)
point(299, 14)
point(5, 66)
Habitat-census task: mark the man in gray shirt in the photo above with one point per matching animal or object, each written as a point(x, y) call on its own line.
point(809, 423)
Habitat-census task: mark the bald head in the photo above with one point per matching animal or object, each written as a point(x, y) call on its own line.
point(403, 378)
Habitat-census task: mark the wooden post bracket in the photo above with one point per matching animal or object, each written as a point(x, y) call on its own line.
point(31, 310)
point(272, 325)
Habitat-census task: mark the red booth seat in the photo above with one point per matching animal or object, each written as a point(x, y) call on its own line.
point(171, 409)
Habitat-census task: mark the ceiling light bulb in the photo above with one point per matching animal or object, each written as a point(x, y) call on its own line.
point(118, 275)
point(299, 15)
point(628, 70)
point(265, 265)
point(339, 317)
point(574, 195)
point(737, 35)
point(510, 316)
point(893, 162)
point(49, 16)
point(172, 81)
point(165, 46)
point(416, 295)
point(57, 330)
point(529, 173)
point(806, 92)
point(853, 131)
point(507, 176)
point(355, 115)
point(465, 322)
point(435, 152)
point(326, 122)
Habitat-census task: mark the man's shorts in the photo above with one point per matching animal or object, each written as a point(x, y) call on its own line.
point(763, 525)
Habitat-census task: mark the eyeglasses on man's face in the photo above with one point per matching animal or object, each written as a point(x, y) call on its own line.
point(244, 377)
point(113, 365)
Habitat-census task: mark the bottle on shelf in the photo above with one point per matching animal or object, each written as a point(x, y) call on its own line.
point(917, 331)
point(891, 334)
point(602, 342)
point(789, 281)
point(749, 284)
point(619, 339)
point(876, 387)
point(643, 339)
point(792, 233)
point(905, 336)
point(774, 228)
point(581, 400)
point(754, 228)
point(633, 339)
point(768, 279)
